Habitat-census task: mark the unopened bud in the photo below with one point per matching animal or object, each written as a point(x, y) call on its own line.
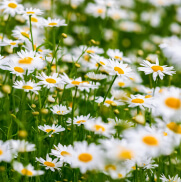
point(139, 119)
point(116, 111)
point(93, 41)
point(22, 133)
point(33, 105)
point(77, 65)
point(44, 111)
point(35, 113)
point(6, 89)
point(64, 35)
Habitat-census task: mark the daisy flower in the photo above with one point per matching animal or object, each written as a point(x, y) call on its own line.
point(21, 146)
point(108, 101)
point(49, 163)
point(170, 179)
point(54, 129)
point(156, 69)
point(11, 7)
point(118, 55)
point(26, 170)
point(60, 109)
point(22, 34)
point(31, 11)
point(115, 67)
point(63, 152)
point(98, 60)
point(48, 81)
point(99, 127)
point(27, 86)
point(53, 22)
point(96, 77)
point(35, 20)
point(5, 153)
point(122, 82)
point(140, 101)
point(94, 50)
point(86, 157)
point(80, 120)
point(11, 43)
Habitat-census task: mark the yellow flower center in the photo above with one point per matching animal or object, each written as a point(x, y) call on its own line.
point(109, 101)
point(81, 121)
point(99, 128)
point(138, 101)
point(173, 102)
point(176, 128)
point(157, 68)
point(33, 19)
point(90, 51)
point(120, 175)
point(102, 63)
point(148, 96)
point(26, 60)
point(150, 140)
point(1, 152)
point(26, 172)
point(25, 34)
point(49, 164)
point(49, 130)
point(110, 167)
point(19, 69)
point(75, 82)
point(30, 12)
point(126, 154)
point(165, 134)
point(27, 87)
point(119, 70)
point(86, 57)
point(85, 157)
point(52, 24)
point(118, 57)
point(13, 43)
point(12, 5)
point(100, 11)
point(51, 80)
point(60, 112)
point(121, 84)
point(65, 153)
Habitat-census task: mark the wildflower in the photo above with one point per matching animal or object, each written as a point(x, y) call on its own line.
point(22, 34)
point(60, 109)
point(5, 153)
point(94, 50)
point(26, 170)
point(49, 163)
point(31, 12)
point(96, 77)
point(27, 86)
point(170, 179)
point(54, 22)
point(53, 129)
point(11, 43)
point(156, 69)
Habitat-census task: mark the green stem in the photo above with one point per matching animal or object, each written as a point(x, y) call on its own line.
point(31, 33)
point(109, 88)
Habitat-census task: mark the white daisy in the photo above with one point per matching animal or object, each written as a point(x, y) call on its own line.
point(53, 22)
point(21, 33)
point(11, 43)
point(31, 11)
point(96, 77)
point(60, 109)
point(5, 152)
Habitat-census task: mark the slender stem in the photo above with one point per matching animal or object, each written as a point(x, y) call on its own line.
point(109, 88)
point(31, 33)
point(73, 105)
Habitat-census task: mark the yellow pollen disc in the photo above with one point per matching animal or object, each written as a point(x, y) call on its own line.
point(60, 112)
point(26, 172)
point(65, 153)
point(126, 154)
point(157, 68)
point(26, 60)
point(138, 101)
point(96, 64)
point(86, 57)
point(100, 11)
point(33, 19)
point(30, 12)
point(165, 134)
point(134, 167)
point(27, 87)
point(51, 80)
point(176, 128)
point(52, 24)
point(121, 84)
point(40, 50)
point(150, 140)
point(132, 79)
point(25, 34)
point(85, 82)
point(99, 128)
point(148, 96)
point(120, 175)
point(110, 167)
point(13, 43)
point(85, 157)
point(161, 91)
point(109, 101)
point(102, 63)
point(1, 37)
point(49, 164)
point(19, 69)
point(75, 82)
point(117, 57)
point(12, 5)
point(1, 152)
point(81, 121)
point(49, 130)
point(119, 70)
point(173, 102)
point(90, 51)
